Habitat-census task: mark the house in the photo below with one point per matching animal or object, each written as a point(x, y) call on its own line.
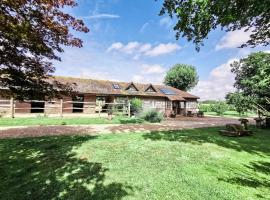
point(163, 98)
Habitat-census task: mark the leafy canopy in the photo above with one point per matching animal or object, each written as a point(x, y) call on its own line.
point(252, 77)
point(196, 18)
point(219, 107)
point(240, 102)
point(31, 33)
point(181, 76)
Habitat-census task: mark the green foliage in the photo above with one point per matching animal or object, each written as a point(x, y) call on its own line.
point(152, 116)
point(220, 107)
point(136, 105)
point(241, 103)
point(205, 107)
point(181, 76)
point(195, 19)
point(252, 77)
point(209, 101)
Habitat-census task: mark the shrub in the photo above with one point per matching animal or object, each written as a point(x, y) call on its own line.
point(152, 116)
point(220, 107)
point(136, 106)
point(205, 107)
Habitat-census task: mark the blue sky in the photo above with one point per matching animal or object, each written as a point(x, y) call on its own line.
point(129, 41)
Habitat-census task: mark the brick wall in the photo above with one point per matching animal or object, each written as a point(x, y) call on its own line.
point(22, 107)
point(67, 105)
point(89, 108)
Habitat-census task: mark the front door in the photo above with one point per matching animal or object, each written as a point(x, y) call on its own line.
point(175, 107)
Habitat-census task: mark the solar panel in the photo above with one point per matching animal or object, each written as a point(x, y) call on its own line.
point(167, 91)
point(116, 86)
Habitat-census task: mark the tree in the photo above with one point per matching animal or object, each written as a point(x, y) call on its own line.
point(219, 107)
point(252, 77)
point(181, 76)
point(136, 106)
point(32, 32)
point(240, 102)
point(195, 19)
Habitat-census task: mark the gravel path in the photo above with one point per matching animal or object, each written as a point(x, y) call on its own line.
point(169, 124)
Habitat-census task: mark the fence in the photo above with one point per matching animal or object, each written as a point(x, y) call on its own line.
point(12, 107)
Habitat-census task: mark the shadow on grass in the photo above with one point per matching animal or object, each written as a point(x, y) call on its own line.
point(254, 174)
point(257, 144)
point(46, 168)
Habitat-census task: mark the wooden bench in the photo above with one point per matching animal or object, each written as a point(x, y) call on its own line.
point(235, 130)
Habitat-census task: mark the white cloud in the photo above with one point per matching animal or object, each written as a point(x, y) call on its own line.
point(219, 83)
point(152, 69)
point(100, 75)
point(145, 49)
point(162, 49)
point(233, 39)
point(101, 16)
point(144, 26)
point(166, 22)
point(131, 47)
point(137, 78)
point(115, 46)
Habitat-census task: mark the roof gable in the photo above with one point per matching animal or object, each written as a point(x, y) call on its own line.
point(150, 88)
point(132, 87)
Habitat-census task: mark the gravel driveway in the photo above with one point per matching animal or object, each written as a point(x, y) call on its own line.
point(169, 124)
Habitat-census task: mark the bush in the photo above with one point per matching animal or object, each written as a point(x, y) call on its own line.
point(220, 107)
point(152, 116)
point(136, 106)
point(205, 107)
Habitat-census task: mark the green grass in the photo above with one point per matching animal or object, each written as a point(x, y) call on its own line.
point(232, 114)
point(186, 164)
point(65, 121)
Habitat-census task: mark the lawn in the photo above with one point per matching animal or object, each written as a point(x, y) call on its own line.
point(65, 121)
point(232, 114)
point(186, 164)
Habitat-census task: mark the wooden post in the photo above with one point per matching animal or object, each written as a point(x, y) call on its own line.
point(61, 107)
point(128, 108)
point(185, 108)
point(12, 107)
point(99, 108)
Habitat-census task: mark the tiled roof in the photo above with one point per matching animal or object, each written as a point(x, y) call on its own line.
point(102, 87)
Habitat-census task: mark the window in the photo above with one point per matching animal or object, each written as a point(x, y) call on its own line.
point(192, 104)
point(116, 86)
point(78, 103)
point(167, 91)
point(132, 89)
point(37, 106)
point(168, 104)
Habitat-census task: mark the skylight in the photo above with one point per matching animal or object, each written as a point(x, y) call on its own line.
point(167, 91)
point(116, 86)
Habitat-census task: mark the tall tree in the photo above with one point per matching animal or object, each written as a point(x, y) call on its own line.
point(196, 18)
point(252, 77)
point(240, 102)
point(32, 32)
point(181, 76)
